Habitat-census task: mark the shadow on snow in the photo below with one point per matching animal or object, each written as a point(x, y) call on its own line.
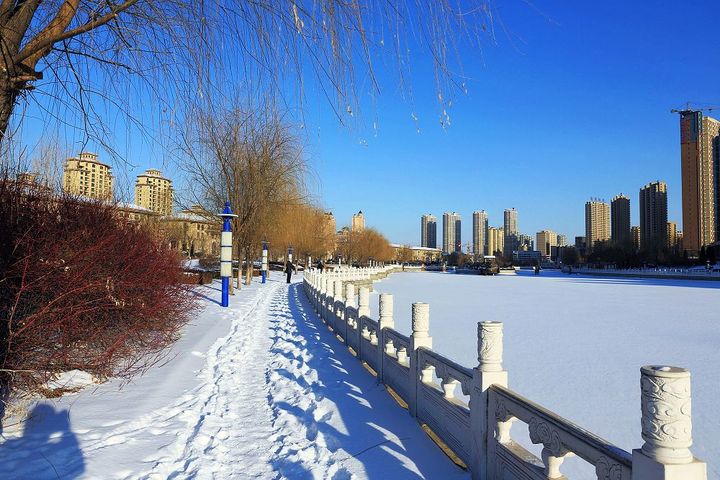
point(378, 432)
point(47, 449)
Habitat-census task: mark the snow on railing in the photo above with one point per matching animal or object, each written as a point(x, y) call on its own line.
point(477, 432)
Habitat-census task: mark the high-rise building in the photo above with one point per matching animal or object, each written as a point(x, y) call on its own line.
point(597, 223)
point(480, 232)
point(358, 222)
point(545, 240)
point(428, 231)
point(85, 175)
point(620, 216)
point(451, 232)
point(635, 234)
point(672, 234)
point(700, 164)
point(510, 221)
point(496, 240)
point(329, 233)
point(653, 216)
point(510, 227)
point(562, 240)
point(154, 192)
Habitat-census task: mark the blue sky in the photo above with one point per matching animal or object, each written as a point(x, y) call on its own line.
point(571, 101)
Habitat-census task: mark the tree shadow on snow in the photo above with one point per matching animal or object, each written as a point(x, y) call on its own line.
point(47, 449)
point(376, 431)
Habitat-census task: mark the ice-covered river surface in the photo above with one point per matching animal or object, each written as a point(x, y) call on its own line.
point(575, 344)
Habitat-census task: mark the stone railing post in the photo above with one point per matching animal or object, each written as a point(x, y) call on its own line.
point(315, 290)
point(336, 313)
point(363, 311)
point(329, 298)
point(488, 372)
point(420, 338)
point(350, 309)
point(666, 427)
point(322, 296)
point(385, 321)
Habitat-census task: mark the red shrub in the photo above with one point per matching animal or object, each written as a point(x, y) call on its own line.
point(81, 289)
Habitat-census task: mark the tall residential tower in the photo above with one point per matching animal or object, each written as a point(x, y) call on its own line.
point(480, 232)
point(154, 192)
point(85, 175)
point(358, 222)
point(700, 164)
point(451, 232)
point(620, 225)
point(510, 229)
point(428, 231)
point(597, 223)
point(653, 216)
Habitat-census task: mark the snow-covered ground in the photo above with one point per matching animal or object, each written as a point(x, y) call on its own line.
point(576, 344)
point(258, 390)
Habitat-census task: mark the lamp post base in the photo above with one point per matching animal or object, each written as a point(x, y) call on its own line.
point(225, 301)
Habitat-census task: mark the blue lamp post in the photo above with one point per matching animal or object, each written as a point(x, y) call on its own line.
point(226, 253)
point(264, 266)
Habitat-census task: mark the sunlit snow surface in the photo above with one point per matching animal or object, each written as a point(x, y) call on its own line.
point(575, 344)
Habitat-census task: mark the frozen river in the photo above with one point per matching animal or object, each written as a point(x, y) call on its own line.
point(576, 344)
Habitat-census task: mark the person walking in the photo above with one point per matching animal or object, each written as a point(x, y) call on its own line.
point(320, 266)
point(289, 268)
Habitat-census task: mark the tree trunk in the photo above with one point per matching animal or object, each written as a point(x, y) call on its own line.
point(239, 275)
point(8, 95)
point(249, 272)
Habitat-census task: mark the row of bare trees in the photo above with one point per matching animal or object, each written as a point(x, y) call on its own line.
point(362, 246)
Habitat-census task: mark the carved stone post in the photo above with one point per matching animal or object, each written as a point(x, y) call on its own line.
point(350, 309)
point(488, 372)
point(314, 289)
point(322, 297)
point(329, 299)
point(385, 321)
point(336, 312)
point(420, 338)
point(363, 311)
point(666, 427)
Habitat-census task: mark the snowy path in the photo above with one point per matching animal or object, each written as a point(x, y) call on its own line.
point(258, 390)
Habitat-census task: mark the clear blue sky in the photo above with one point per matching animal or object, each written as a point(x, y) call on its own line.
point(573, 103)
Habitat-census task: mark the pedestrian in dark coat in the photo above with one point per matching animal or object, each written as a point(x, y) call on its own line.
point(320, 266)
point(289, 268)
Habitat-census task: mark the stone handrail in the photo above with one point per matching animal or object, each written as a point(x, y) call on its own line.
point(478, 431)
point(449, 373)
point(558, 436)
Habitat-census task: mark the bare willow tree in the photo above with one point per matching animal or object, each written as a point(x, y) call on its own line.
point(82, 61)
point(251, 158)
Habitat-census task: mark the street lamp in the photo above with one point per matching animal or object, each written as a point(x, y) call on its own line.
point(264, 266)
point(226, 253)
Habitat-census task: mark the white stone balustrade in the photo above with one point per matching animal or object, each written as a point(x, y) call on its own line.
point(478, 430)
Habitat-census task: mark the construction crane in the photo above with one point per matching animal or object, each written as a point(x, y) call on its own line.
point(688, 108)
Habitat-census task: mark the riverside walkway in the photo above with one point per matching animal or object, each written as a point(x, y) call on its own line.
point(258, 390)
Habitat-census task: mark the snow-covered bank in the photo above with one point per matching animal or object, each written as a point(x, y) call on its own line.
point(575, 344)
point(257, 390)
